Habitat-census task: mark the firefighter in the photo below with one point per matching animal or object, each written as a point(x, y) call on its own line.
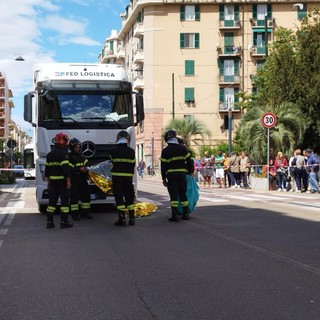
point(176, 162)
point(57, 171)
point(123, 159)
point(80, 190)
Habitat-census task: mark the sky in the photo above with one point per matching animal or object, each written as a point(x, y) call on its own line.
point(51, 31)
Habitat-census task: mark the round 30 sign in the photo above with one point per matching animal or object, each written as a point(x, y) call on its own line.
point(269, 120)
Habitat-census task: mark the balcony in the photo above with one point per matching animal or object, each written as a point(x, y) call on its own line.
point(229, 24)
point(121, 54)
point(138, 30)
point(257, 51)
point(138, 56)
point(229, 79)
point(229, 51)
point(138, 82)
point(261, 23)
point(224, 107)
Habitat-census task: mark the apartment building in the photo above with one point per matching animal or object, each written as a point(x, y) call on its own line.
point(5, 107)
point(191, 58)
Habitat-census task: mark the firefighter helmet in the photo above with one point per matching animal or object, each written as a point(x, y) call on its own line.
point(123, 137)
point(169, 135)
point(61, 138)
point(74, 142)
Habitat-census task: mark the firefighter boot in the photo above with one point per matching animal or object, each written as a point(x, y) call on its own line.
point(174, 215)
point(121, 222)
point(65, 222)
point(50, 223)
point(132, 219)
point(185, 215)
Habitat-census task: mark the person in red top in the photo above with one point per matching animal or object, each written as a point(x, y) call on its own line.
point(272, 175)
point(281, 165)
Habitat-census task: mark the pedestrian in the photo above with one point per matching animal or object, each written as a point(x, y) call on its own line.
point(207, 169)
point(176, 163)
point(57, 171)
point(141, 167)
point(281, 164)
point(234, 167)
point(80, 191)
point(244, 169)
point(123, 160)
point(312, 169)
point(219, 160)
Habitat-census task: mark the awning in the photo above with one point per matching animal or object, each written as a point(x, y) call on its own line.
point(261, 30)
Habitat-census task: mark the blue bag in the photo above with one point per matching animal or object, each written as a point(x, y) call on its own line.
point(192, 194)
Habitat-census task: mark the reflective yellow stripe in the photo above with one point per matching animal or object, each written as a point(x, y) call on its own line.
point(49, 164)
point(184, 203)
point(79, 164)
point(51, 209)
point(56, 177)
point(130, 206)
point(64, 162)
point(85, 205)
point(177, 170)
point(121, 174)
point(174, 204)
point(176, 158)
point(163, 160)
point(64, 209)
point(124, 160)
point(121, 207)
point(74, 207)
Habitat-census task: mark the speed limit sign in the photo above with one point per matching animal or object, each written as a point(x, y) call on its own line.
point(269, 120)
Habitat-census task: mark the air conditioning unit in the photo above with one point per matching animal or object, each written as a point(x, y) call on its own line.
point(270, 23)
point(238, 23)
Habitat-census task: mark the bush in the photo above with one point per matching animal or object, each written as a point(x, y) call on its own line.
point(7, 178)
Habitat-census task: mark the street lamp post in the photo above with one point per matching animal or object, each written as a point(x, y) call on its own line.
point(229, 127)
point(266, 35)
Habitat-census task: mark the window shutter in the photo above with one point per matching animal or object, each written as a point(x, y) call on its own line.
point(197, 12)
point(189, 67)
point(236, 67)
point(236, 94)
point(236, 12)
point(182, 13)
point(197, 40)
point(254, 11)
point(182, 40)
point(221, 95)
point(139, 17)
point(221, 67)
point(221, 12)
point(269, 11)
point(189, 94)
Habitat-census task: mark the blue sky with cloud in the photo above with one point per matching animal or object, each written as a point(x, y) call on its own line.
point(51, 31)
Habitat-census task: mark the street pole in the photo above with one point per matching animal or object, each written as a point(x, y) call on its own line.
point(268, 157)
point(152, 155)
point(173, 96)
point(229, 127)
point(266, 35)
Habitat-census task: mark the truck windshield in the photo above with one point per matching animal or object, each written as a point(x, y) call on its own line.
point(91, 109)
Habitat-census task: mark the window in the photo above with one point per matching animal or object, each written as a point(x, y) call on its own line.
point(228, 42)
point(189, 13)
point(111, 45)
point(302, 12)
point(228, 98)
point(260, 64)
point(259, 42)
point(259, 11)
point(188, 95)
point(189, 117)
point(189, 67)
point(140, 16)
point(189, 40)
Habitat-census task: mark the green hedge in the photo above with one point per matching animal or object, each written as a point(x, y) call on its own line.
point(7, 178)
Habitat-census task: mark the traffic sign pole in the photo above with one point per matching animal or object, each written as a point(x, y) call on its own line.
point(268, 120)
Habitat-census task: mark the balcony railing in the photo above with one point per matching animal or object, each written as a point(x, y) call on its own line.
point(138, 30)
point(224, 107)
point(229, 24)
point(229, 79)
point(229, 50)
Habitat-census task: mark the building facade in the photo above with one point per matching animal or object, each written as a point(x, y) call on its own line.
point(190, 58)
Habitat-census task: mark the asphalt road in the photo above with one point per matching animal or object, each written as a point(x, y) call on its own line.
point(242, 256)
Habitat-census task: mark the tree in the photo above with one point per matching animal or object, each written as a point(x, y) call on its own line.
point(285, 136)
point(291, 74)
point(188, 129)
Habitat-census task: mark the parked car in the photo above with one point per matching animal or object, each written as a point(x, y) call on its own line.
point(30, 173)
point(18, 169)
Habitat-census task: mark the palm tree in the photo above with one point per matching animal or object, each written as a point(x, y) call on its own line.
point(285, 136)
point(188, 129)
